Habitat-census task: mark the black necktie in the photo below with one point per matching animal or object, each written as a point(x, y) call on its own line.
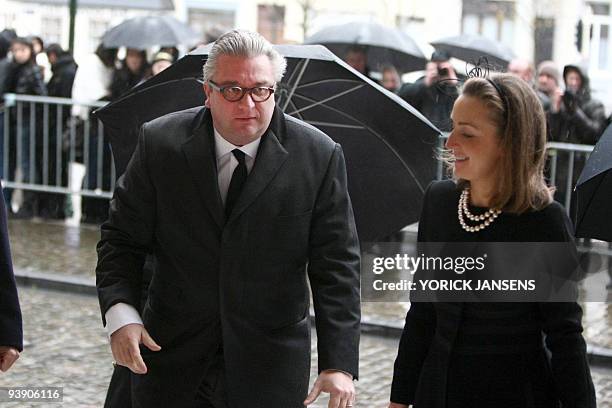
point(238, 178)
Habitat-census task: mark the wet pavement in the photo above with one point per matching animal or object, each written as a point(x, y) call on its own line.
point(67, 347)
point(54, 247)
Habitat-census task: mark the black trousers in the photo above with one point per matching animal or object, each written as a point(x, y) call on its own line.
point(210, 394)
point(212, 391)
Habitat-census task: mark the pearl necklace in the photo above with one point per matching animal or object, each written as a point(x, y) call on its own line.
point(487, 218)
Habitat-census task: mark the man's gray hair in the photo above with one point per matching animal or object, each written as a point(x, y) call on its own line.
point(243, 43)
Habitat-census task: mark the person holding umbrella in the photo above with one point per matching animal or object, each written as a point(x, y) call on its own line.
point(476, 354)
point(239, 205)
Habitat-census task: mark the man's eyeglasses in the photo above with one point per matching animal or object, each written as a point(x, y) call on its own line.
point(235, 93)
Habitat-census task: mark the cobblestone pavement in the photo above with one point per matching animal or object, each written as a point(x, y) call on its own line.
point(67, 347)
point(57, 248)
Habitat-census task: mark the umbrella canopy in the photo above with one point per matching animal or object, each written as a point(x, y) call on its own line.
point(388, 145)
point(148, 31)
point(383, 44)
point(594, 192)
point(470, 47)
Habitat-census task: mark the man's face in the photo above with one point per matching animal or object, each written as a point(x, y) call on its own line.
point(546, 83)
point(357, 60)
point(520, 69)
point(52, 57)
point(573, 80)
point(243, 121)
point(390, 80)
point(21, 53)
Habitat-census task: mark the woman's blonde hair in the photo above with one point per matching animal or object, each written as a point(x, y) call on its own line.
point(516, 111)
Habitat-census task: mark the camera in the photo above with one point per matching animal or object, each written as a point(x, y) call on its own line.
point(570, 100)
point(442, 72)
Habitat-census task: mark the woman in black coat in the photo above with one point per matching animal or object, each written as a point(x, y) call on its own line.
point(11, 336)
point(25, 78)
point(133, 70)
point(492, 354)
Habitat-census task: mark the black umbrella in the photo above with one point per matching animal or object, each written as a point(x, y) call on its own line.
point(594, 192)
point(148, 31)
point(389, 146)
point(382, 44)
point(470, 47)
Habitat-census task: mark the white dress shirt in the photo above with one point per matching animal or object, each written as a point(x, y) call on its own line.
point(122, 314)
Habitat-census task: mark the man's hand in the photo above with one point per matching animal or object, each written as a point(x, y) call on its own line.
point(555, 100)
point(8, 355)
point(396, 405)
point(338, 384)
point(431, 73)
point(124, 344)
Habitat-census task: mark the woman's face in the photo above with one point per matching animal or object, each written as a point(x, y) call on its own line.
point(474, 142)
point(21, 53)
point(133, 60)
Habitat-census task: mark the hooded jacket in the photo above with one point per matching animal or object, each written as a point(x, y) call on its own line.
point(26, 79)
point(581, 119)
point(64, 71)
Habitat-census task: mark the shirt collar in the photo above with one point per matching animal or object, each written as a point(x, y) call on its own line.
point(223, 147)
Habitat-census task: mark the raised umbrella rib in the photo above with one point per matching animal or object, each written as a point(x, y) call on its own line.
point(375, 133)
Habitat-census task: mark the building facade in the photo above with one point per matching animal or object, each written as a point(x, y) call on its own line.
point(562, 30)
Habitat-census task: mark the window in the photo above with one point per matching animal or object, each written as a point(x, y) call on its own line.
point(204, 21)
point(599, 9)
point(470, 24)
point(97, 28)
point(51, 29)
point(604, 40)
point(271, 22)
point(544, 38)
point(7, 20)
point(491, 19)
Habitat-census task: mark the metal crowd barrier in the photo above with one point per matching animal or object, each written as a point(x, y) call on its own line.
point(572, 152)
point(39, 140)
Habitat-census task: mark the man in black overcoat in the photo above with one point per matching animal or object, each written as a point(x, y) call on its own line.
point(242, 208)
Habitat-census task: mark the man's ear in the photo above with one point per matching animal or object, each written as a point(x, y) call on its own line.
point(207, 93)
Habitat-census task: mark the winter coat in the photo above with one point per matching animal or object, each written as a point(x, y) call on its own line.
point(26, 79)
point(124, 80)
point(91, 83)
point(435, 102)
point(64, 71)
point(580, 119)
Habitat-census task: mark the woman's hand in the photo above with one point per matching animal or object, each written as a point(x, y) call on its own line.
point(396, 405)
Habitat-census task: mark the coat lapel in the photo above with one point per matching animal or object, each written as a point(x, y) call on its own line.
point(270, 157)
point(199, 151)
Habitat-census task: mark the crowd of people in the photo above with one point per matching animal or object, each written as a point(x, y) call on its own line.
point(29, 67)
point(573, 115)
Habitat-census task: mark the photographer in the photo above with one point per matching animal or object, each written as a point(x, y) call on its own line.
point(575, 116)
point(435, 93)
